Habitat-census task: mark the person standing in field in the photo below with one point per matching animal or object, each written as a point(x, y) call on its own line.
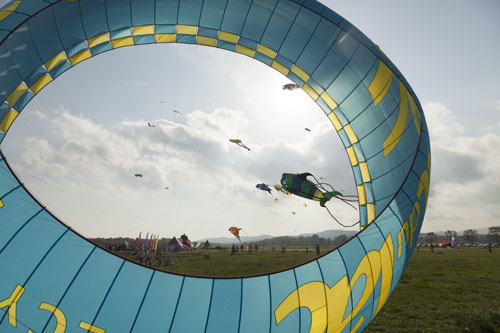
point(489, 248)
point(140, 254)
point(148, 258)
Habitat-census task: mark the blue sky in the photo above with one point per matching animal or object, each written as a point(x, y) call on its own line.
point(78, 144)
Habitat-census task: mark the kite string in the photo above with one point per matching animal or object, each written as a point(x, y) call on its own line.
point(345, 226)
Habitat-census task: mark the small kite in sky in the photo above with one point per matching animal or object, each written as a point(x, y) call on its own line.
point(264, 187)
point(239, 143)
point(290, 86)
point(307, 129)
point(178, 112)
point(235, 231)
point(138, 175)
point(280, 188)
point(151, 125)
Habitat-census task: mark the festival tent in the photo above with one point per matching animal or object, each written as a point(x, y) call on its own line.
point(176, 245)
point(206, 245)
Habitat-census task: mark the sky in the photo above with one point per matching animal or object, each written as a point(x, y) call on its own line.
point(79, 143)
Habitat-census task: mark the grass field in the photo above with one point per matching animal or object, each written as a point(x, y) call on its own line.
point(456, 291)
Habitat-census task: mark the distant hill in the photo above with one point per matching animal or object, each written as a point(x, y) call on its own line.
point(331, 234)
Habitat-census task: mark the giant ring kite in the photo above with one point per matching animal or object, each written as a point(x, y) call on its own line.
point(53, 279)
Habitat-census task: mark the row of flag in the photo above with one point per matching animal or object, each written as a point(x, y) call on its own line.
point(150, 243)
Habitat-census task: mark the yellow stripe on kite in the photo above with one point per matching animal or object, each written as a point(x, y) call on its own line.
point(381, 83)
point(121, 42)
point(361, 194)
point(165, 38)
point(335, 121)
point(352, 156)
point(329, 100)
point(79, 57)
point(280, 68)
point(20, 90)
point(40, 83)
point(310, 91)
point(97, 40)
point(266, 51)
point(7, 120)
point(55, 61)
point(300, 73)
point(229, 37)
point(187, 29)
point(245, 50)
point(399, 127)
point(143, 30)
point(208, 41)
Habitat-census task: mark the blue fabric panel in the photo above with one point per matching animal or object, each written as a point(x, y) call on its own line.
point(357, 175)
point(41, 27)
point(52, 277)
point(292, 76)
point(212, 13)
point(166, 11)
point(118, 13)
point(60, 69)
point(279, 24)
point(4, 108)
point(248, 43)
point(357, 102)
point(21, 103)
point(17, 251)
point(306, 274)
point(101, 48)
point(120, 33)
point(282, 284)
point(345, 47)
point(143, 12)
point(166, 28)
point(318, 46)
point(123, 292)
point(77, 48)
point(18, 209)
point(263, 58)
point(69, 23)
point(234, 16)
point(363, 219)
point(195, 298)
point(226, 303)
point(226, 45)
point(37, 73)
point(256, 308)
point(359, 152)
point(300, 33)
point(257, 19)
point(343, 85)
point(23, 52)
point(164, 290)
point(89, 288)
point(284, 61)
point(362, 62)
point(207, 32)
point(369, 192)
point(186, 39)
point(340, 115)
point(189, 12)
point(144, 39)
point(93, 13)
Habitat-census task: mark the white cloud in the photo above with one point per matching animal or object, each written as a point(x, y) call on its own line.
point(465, 178)
point(86, 175)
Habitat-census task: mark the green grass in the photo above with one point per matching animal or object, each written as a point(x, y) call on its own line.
point(456, 291)
point(242, 263)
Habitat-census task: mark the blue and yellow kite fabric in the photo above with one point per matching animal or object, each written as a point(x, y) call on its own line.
point(52, 279)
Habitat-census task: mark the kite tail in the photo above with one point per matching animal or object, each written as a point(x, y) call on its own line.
point(327, 196)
